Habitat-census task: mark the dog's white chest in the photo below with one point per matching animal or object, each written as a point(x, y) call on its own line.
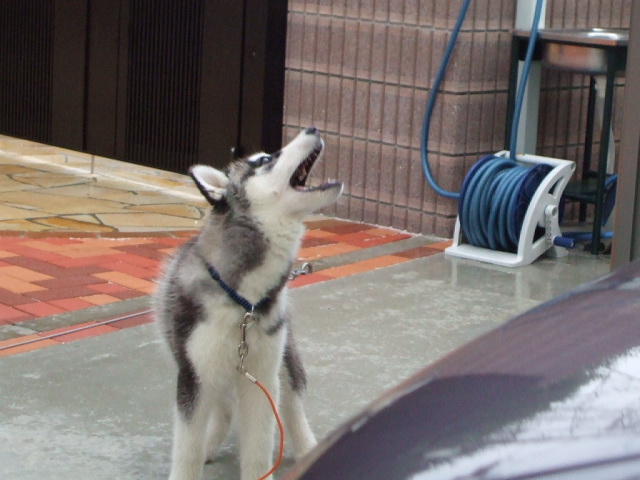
point(213, 346)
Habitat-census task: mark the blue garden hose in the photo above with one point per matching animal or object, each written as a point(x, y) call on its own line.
point(431, 103)
point(496, 192)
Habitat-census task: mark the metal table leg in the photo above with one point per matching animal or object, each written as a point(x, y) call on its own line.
point(588, 142)
point(602, 162)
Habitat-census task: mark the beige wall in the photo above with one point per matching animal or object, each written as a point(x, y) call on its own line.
point(361, 72)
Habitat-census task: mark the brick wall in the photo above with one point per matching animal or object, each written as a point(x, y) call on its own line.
point(361, 72)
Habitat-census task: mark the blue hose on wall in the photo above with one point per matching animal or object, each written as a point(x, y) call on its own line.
point(431, 103)
point(496, 192)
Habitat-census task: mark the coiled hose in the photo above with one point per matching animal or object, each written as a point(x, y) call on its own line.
point(496, 192)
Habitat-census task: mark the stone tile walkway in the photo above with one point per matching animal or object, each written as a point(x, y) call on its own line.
point(43, 188)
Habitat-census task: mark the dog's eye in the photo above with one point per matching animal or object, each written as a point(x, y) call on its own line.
point(259, 160)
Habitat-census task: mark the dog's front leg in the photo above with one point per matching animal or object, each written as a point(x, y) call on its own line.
point(300, 436)
point(294, 381)
point(190, 429)
point(256, 424)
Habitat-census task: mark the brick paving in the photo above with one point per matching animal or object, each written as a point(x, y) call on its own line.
point(48, 276)
point(42, 276)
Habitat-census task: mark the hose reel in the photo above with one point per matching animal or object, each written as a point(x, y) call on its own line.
point(508, 213)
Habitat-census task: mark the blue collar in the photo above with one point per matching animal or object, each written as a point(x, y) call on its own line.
point(235, 296)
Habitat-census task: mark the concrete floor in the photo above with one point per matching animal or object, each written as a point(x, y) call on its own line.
point(101, 408)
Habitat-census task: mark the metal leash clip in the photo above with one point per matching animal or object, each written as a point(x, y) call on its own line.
point(305, 269)
point(243, 348)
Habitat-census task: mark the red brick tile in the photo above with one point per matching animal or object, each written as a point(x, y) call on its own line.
point(155, 271)
point(126, 294)
point(315, 241)
point(71, 304)
point(59, 293)
point(318, 234)
point(99, 299)
point(10, 238)
point(139, 261)
point(367, 241)
point(353, 236)
point(133, 270)
point(149, 289)
point(163, 242)
point(125, 280)
point(108, 288)
point(51, 269)
point(40, 309)
point(18, 286)
point(58, 234)
point(384, 231)
point(37, 265)
point(84, 270)
point(148, 251)
point(11, 299)
point(10, 315)
point(89, 251)
point(83, 261)
point(322, 251)
point(49, 257)
point(324, 224)
point(69, 281)
point(23, 274)
point(347, 227)
point(63, 241)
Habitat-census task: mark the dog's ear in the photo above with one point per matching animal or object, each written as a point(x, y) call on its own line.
point(212, 183)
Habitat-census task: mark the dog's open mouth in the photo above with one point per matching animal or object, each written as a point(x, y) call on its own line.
point(299, 178)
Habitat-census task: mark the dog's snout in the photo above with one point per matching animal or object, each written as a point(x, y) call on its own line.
point(311, 130)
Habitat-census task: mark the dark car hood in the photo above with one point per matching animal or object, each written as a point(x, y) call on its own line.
point(578, 423)
point(555, 388)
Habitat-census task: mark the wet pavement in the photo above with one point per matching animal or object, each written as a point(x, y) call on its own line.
point(87, 386)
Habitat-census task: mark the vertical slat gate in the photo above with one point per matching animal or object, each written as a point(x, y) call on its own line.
point(164, 83)
point(26, 66)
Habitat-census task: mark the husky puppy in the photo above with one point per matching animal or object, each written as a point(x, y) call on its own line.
point(244, 251)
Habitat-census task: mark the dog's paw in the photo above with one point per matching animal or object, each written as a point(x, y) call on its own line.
point(305, 447)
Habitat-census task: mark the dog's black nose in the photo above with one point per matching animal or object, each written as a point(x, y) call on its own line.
point(311, 130)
